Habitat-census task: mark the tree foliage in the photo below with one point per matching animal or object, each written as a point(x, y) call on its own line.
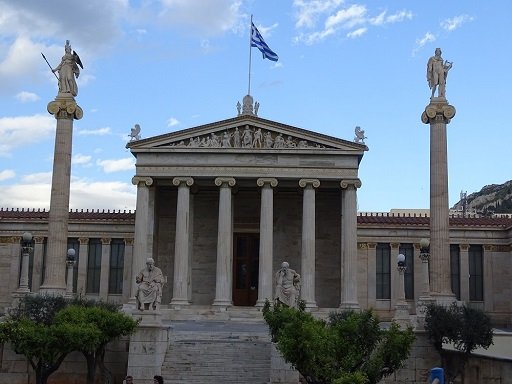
point(350, 347)
point(464, 327)
point(47, 328)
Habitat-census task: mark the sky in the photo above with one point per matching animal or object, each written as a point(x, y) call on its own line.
point(169, 65)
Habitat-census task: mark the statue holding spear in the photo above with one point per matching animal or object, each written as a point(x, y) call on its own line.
point(68, 70)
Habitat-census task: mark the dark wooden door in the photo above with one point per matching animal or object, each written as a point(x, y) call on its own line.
point(246, 249)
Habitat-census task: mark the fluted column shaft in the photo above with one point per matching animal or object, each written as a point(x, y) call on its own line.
point(181, 281)
point(464, 272)
point(266, 239)
point(65, 110)
point(438, 114)
point(224, 279)
point(140, 248)
point(308, 270)
point(349, 245)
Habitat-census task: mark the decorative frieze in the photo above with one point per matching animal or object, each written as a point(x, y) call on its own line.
point(248, 137)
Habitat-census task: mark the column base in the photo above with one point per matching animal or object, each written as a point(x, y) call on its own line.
point(222, 305)
point(177, 303)
point(350, 306)
point(444, 298)
point(52, 290)
point(402, 316)
point(311, 305)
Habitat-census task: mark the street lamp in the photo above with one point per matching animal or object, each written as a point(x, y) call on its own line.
point(26, 250)
point(70, 262)
point(401, 308)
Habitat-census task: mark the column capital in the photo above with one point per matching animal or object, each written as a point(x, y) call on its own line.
point(148, 181)
point(371, 245)
point(394, 245)
point(303, 183)
point(225, 182)
point(188, 181)
point(83, 240)
point(39, 239)
point(438, 112)
point(128, 241)
point(464, 247)
point(65, 108)
point(267, 181)
point(345, 183)
point(106, 240)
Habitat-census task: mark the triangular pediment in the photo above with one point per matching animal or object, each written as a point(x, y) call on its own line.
point(245, 132)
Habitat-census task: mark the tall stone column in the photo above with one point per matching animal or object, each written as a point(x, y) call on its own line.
point(38, 262)
point(83, 258)
point(142, 215)
point(224, 278)
point(128, 276)
point(464, 272)
point(438, 114)
point(65, 109)
point(349, 244)
point(308, 257)
point(105, 267)
point(181, 281)
point(266, 240)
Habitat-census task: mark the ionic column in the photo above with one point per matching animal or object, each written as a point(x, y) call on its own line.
point(224, 278)
point(308, 242)
point(26, 249)
point(394, 250)
point(464, 272)
point(349, 244)
point(127, 268)
point(266, 239)
point(140, 249)
point(438, 114)
point(65, 109)
point(37, 263)
point(105, 268)
point(371, 273)
point(181, 281)
point(83, 259)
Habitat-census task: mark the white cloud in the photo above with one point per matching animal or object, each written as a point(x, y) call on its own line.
point(308, 12)
point(37, 178)
point(172, 121)
point(26, 97)
point(338, 16)
point(34, 192)
point(117, 165)
point(204, 16)
point(24, 130)
point(357, 33)
point(80, 159)
point(95, 132)
point(7, 174)
point(455, 22)
point(428, 38)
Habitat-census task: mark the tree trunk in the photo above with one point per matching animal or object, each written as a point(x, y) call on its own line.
point(91, 366)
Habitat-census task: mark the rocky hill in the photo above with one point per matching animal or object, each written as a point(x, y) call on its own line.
point(494, 198)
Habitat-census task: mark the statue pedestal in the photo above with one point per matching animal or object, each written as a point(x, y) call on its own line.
point(148, 346)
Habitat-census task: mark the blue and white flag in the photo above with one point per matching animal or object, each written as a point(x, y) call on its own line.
point(258, 42)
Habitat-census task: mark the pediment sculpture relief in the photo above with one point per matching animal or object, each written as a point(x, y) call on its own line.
point(246, 137)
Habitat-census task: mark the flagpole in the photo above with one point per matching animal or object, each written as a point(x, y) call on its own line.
point(250, 57)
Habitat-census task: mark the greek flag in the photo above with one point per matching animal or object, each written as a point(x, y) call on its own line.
point(258, 42)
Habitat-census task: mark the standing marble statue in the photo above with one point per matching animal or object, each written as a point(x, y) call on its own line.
point(437, 71)
point(149, 292)
point(287, 286)
point(68, 71)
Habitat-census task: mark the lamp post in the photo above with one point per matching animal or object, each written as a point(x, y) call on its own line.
point(401, 308)
point(26, 249)
point(70, 262)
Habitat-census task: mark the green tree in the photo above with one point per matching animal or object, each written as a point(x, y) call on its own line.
point(350, 347)
point(465, 327)
point(111, 324)
point(32, 330)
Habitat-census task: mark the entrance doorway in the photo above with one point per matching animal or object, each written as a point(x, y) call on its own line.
point(246, 251)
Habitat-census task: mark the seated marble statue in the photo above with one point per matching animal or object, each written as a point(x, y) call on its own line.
point(287, 286)
point(149, 292)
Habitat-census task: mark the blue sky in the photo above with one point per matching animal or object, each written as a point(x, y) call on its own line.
point(174, 64)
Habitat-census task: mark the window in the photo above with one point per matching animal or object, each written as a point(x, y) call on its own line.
point(455, 269)
point(75, 244)
point(383, 272)
point(408, 251)
point(476, 275)
point(93, 266)
point(115, 278)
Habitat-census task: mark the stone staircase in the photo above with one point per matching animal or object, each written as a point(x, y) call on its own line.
point(225, 352)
